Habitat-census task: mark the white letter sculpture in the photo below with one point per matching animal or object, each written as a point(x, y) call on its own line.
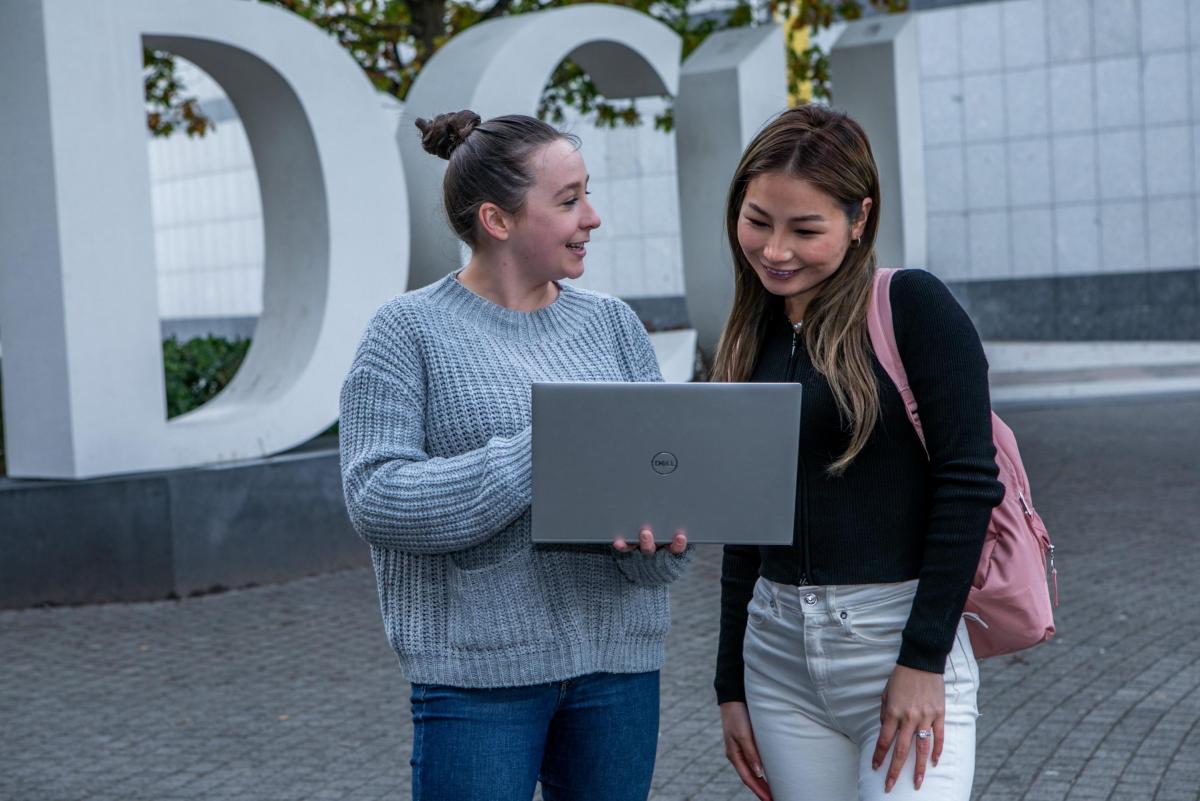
point(83, 379)
point(876, 79)
point(729, 88)
point(501, 67)
point(83, 375)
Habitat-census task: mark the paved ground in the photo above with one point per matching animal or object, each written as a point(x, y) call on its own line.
point(289, 692)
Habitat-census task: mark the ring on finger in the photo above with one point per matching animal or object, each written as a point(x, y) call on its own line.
point(924, 734)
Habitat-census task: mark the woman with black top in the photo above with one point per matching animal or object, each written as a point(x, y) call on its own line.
point(844, 653)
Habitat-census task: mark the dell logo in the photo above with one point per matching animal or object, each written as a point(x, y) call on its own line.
point(664, 463)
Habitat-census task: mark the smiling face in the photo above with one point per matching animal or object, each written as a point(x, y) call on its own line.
point(549, 235)
point(794, 236)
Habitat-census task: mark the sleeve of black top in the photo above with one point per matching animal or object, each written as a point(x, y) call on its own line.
point(948, 375)
point(739, 571)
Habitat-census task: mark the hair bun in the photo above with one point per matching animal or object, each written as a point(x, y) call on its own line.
point(445, 132)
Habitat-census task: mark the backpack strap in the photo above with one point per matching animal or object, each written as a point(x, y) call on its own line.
point(883, 341)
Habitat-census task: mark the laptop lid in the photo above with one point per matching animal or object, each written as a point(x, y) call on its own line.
point(717, 461)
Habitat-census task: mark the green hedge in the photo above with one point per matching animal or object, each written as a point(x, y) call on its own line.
point(196, 370)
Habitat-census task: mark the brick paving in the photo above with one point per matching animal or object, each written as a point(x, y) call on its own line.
point(290, 692)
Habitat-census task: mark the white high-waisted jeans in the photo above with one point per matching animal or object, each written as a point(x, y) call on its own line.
point(817, 661)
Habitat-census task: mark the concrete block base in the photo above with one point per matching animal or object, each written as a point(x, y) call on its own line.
point(157, 535)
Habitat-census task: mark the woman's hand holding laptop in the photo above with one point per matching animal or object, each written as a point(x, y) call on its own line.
point(646, 544)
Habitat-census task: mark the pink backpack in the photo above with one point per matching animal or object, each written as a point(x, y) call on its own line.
point(1009, 600)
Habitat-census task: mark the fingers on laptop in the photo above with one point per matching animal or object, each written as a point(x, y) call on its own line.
point(624, 546)
point(646, 544)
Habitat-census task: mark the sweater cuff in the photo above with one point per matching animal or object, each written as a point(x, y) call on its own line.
point(661, 568)
point(918, 657)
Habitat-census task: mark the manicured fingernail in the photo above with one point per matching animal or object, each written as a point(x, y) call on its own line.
point(874, 766)
point(758, 771)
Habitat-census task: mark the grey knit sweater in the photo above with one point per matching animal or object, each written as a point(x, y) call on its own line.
point(435, 448)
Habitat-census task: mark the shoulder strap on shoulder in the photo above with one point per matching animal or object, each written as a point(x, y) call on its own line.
point(883, 335)
point(883, 341)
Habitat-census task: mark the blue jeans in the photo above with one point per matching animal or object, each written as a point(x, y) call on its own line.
point(591, 738)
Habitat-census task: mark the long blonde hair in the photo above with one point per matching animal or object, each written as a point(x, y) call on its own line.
point(830, 151)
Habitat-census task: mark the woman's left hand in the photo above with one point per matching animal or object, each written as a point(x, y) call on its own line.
point(646, 544)
point(914, 702)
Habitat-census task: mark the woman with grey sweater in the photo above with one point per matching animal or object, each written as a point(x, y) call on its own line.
point(527, 662)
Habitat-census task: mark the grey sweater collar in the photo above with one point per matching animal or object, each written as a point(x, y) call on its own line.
point(561, 318)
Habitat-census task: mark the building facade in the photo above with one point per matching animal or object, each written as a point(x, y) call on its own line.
point(1062, 162)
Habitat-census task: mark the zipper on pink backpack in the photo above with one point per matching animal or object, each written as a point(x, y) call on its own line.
point(1049, 549)
point(1053, 574)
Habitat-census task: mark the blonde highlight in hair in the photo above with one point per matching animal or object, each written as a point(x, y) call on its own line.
point(830, 151)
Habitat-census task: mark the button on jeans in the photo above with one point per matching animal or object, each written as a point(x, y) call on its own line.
point(817, 661)
point(591, 738)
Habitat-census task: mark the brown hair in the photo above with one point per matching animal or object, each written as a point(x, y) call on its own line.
point(830, 151)
point(488, 162)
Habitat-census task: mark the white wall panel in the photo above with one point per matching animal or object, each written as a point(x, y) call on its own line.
point(1121, 165)
point(1116, 27)
point(1026, 102)
point(1029, 172)
point(1168, 155)
point(942, 111)
point(1165, 88)
point(1069, 29)
point(1172, 233)
point(1102, 142)
point(945, 183)
point(1118, 92)
point(988, 249)
point(948, 246)
point(1123, 236)
point(987, 176)
point(1024, 30)
point(937, 33)
point(1164, 24)
point(1072, 106)
point(1032, 242)
point(1076, 239)
point(1074, 168)
point(983, 106)
point(980, 32)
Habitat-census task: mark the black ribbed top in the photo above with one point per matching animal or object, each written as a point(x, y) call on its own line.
point(894, 515)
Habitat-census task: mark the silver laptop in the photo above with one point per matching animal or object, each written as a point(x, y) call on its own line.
point(717, 461)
